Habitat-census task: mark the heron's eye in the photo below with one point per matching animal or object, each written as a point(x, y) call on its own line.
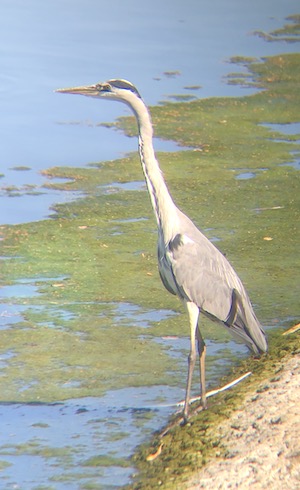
point(105, 87)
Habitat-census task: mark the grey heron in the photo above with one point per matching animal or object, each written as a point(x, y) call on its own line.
point(190, 266)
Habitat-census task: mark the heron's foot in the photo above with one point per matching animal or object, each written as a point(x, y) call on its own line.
point(184, 421)
point(181, 420)
point(189, 411)
point(204, 403)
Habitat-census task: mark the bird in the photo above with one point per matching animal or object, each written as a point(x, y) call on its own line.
point(189, 264)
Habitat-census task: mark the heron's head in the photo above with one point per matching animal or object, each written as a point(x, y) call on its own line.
point(115, 89)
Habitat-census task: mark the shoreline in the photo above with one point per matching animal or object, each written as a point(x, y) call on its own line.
point(248, 438)
point(261, 439)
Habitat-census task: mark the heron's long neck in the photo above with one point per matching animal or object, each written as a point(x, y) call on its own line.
point(164, 208)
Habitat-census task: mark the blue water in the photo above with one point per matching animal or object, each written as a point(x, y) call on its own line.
point(47, 45)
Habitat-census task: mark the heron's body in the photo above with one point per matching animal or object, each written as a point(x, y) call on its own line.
point(190, 266)
point(210, 283)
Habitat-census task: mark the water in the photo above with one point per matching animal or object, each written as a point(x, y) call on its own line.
point(87, 440)
point(245, 176)
point(286, 131)
point(55, 443)
point(68, 42)
point(46, 45)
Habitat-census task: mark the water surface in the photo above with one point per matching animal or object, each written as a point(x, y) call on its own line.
point(143, 43)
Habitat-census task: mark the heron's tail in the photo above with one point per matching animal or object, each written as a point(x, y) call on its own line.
point(242, 322)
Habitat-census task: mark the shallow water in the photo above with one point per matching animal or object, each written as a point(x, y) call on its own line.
point(40, 129)
point(286, 133)
point(89, 440)
point(55, 443)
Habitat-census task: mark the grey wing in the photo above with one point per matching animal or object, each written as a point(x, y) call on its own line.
point(196, 271)
point(202, 275)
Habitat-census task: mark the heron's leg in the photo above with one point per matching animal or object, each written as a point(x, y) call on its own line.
point(202, 354)
point(193, 312)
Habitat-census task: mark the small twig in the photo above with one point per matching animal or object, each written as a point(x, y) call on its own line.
point(218, 390)
point(292, 329)
point(181, 420)
point(268, 209)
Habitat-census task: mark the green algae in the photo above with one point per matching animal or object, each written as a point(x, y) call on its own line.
point(4, 464)
point(46, 360)
point(182, 97)
point(99, 251)
point(289, 33)
point(21, 168)
point(105, 460)
point(33, 448)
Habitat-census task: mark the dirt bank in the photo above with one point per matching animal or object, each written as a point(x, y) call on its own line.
point(262, 439)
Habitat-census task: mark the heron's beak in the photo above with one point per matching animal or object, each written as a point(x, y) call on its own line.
point(90, 90)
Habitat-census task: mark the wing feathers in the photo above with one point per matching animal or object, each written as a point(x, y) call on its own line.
point(196, 271)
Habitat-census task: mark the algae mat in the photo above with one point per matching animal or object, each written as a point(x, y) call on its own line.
point(97, 255)
point(83, 308)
